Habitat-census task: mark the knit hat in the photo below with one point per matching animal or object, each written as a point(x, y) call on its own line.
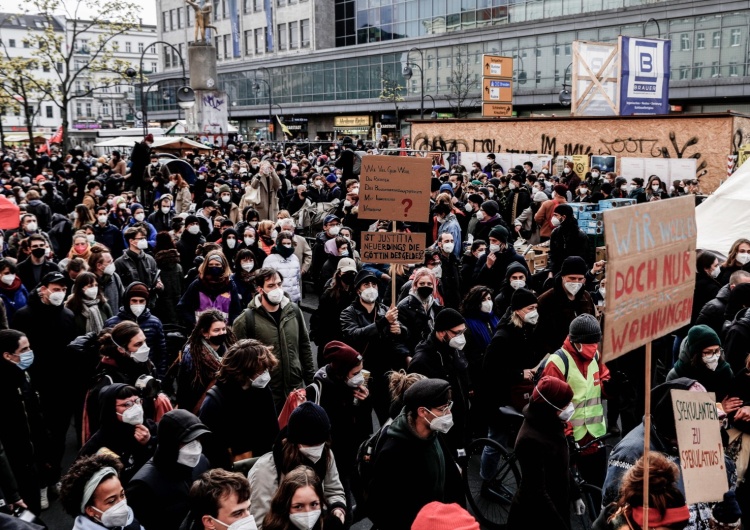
point(573, 265)
point(499, 232)
point(448, 319)
point(363, 276)
point(191, 219)
point(515, 267)
point(701, 337)
point(149, 138)
point(476, 182)
point(309, 425)
point(429, 393)
point(446, 187)
point(490, 208)
point(137, 289)
point(439, 516)
point(346, 265)
point(331, 178)
point(585, 329)
point(564, 209)
point(522, 298)
point(136, 206)
point(475, 198)
point(225, 189)
point(727, 512)
point(553, 391)
point(341, 357)
point(540, 196)
point(561, 190)
point(518, 178)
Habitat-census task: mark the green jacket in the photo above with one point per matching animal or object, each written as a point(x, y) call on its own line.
point(289, 341)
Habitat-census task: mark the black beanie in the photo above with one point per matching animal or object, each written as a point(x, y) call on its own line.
point(309, 425)
point(564, 209)
point(429, 393)
point(573, 265)
point(522, 298)
point(500, 233)
point(448, 319)
point(585, 329)
point(490, 208)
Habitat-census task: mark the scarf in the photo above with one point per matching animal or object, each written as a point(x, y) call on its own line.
point(283, 251)
point(93, 316)
point(482, 328)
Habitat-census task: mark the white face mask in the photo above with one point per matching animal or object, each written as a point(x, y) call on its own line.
point(231, 243)
point(743, 258)
point(566, 170)
point(91, 238)
point(438, 271)
point(165, 210)
point(468, 207)
point(102, 219)
point(715, 272)
point(441, 424)
point(555, 221)
point(512, 186)
point(334, 230)
point(448, 247)
point(274, 234)
point(356, 381)
point(582, 191)
point(91, 292)
point(8, 279)
point(56, 298)
point(116, 516)
point(567, 412)
point(655, 187)
point(249, 241)
point(133, 415)
point(458, 342)
point(31, 227)
point(137, 309)
point(262, 380)
point(247, 266)
point(304, 520)
point(480, 215)
point(532, 317)
point(142, 244)
point(603, 292)
point(226, 198)
point(140, 217)
point(275, 296)
point(595, 174)
point(313, 452)
point(190, 454)
point(246, 523)
point(494, 248)
point(573, 287)
point(712, 361)
point(369, 295)
point(517, 284)
point(141, 354)
point(487, 306)
point(193, 229)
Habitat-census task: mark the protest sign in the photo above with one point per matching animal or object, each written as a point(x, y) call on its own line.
point(395, 188)
point(650, 272)
point(699, 441)
point(392, 247)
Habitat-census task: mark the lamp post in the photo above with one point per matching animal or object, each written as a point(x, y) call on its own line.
point(407, 74)
point(658, 28)
point(433, 114)
point(184, 95)
point(256, 87)
point(565, 95)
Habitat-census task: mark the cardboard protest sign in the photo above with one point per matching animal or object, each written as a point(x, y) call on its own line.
point(395, 188)
point(699, 441)
point(650, 272)
point(392, 247)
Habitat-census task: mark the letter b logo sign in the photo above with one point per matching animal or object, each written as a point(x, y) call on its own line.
point(647, 62)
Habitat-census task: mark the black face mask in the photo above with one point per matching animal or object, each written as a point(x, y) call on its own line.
point(37, 252)
point(215, 271)
point(217, 340)
point(348, 278)
point(424, 292)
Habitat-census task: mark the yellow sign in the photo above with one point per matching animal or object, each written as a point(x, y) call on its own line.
point(497, 90)
point(352, 121)
point(581, 165)
point(497, 110)
point(497, 66)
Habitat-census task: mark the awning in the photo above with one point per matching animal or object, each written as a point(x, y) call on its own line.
point(182, 125)
point(160, 142)
point(352, 129)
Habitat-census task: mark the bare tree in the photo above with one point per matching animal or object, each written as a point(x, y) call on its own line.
point(19, 89)
point(462, 88)
point(391, 91)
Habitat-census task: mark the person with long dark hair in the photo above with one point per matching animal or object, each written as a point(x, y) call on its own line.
point(245, 268)
point(89, 307)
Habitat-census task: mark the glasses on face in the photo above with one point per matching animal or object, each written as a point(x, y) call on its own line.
point(447, 408)
point(712, 351)
point(456, 333)
point(130, 403)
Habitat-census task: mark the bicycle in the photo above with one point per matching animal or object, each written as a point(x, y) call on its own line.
point(491, 478)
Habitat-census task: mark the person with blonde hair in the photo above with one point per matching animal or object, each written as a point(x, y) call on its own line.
point(212, 289)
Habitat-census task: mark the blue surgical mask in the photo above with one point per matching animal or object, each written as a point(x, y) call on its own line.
point(26, 359)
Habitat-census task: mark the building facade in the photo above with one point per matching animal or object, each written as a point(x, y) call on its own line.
point(334, 87)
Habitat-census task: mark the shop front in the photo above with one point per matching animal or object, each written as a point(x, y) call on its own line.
point(353, 126)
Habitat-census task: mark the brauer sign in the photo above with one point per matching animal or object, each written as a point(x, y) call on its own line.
point(395, 188)
point(650, 272)
point(351, 121)
point(392, 247)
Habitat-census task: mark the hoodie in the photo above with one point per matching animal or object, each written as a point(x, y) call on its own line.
point(718, 380)
point(505, 293)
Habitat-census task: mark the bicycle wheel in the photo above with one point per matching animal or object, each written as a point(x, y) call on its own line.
point(491, 478)
point(589, 494)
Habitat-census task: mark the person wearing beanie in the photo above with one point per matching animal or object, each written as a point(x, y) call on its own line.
point(305, 441)
point(544, 216)
point(516, 277)
point(414, 465)
point(544, 495)
point(135, 308)
point(373, 329)
point(566, 239)
point(488, 217)
point(440, 356)
point(340, 388)
point(439, 516)
point(702, 358)
point(190, 238)
point(566, 299)
point(490, 268)
point(227, 207)
point(579, 363)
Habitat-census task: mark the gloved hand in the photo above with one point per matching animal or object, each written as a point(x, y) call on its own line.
point(580, 507)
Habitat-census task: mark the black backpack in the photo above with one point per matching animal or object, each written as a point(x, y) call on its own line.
point(366, 456)
point(356, 164)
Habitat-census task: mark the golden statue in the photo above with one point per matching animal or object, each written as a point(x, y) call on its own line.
point(202, 18)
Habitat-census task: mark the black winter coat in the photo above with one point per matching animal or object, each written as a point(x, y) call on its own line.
point(737, 341)
point(706, 289)
point(494, 276)
point(171, 276)
point(325, 322)
point(412, 315)
point(483, 228)
point(154, 331)
point(25, 271)
point(451, 280)
point(567, 241)
point(556, 312)
point(186, 247)
point(712, 314)
point(544, 495)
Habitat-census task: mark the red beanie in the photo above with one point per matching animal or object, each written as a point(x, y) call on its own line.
point(439, 516)
point(553, 391)
point(149, 137)
point(341, 357)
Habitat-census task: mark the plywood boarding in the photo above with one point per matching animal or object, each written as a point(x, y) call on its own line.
point(708, 138)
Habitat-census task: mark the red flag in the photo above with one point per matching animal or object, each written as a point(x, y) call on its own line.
point(58, 136)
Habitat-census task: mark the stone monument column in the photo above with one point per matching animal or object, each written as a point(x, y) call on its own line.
point(208, 119)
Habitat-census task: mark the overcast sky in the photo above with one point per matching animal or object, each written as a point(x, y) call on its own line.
point(148, 9)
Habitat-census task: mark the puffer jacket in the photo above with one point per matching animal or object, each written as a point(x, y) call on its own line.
point(290, 342)
point(712, 313)
point(289, 268)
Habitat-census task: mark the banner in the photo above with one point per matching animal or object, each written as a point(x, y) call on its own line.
point(644, 82)
point(268, 8)
point(234, 19)
point(650, 272)
point(392, 247)
point(395, 188)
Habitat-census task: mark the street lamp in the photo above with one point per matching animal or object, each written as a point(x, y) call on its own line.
point(565, 95)
point(256, 87)
point(407, 74)
point(433, 114)
point(658, 28)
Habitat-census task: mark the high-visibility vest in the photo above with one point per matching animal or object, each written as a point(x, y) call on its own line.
point(588, 416)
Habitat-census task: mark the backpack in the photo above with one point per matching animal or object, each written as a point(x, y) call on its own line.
point(566, 366)
point(356, 164)
point(366, 456)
